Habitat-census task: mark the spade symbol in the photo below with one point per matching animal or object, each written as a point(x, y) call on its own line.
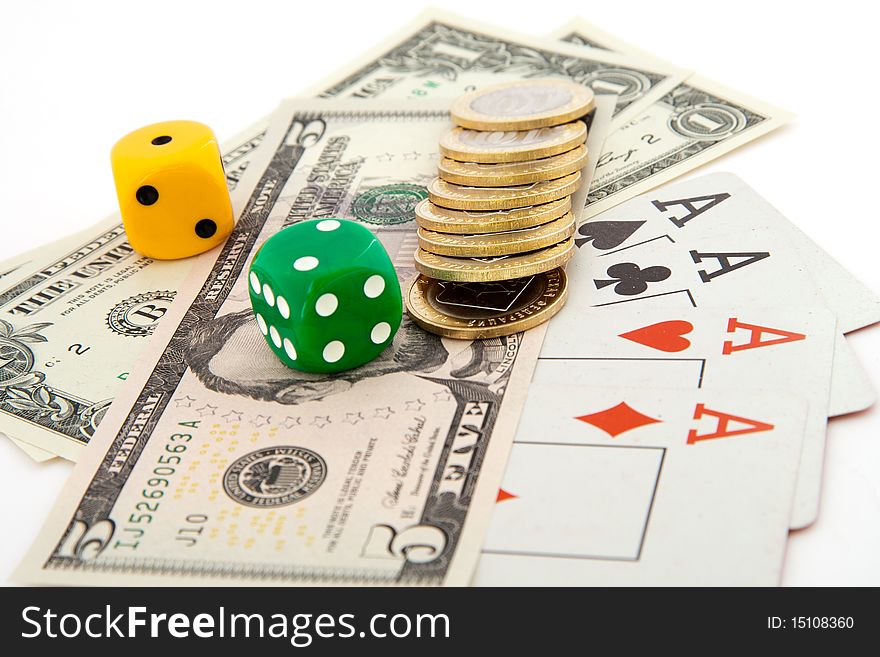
point(629, 279)
point(606, 234)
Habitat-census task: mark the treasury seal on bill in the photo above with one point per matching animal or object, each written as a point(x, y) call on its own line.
point(388, 205)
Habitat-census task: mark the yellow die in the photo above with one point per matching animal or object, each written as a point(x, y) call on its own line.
point(172, 189)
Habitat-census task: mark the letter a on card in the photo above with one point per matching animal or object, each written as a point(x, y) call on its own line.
point(721, 429)
point(727, 262)
point(695, 206)
point(755, 338)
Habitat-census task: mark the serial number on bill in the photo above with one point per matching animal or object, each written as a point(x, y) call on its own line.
point(810, 623)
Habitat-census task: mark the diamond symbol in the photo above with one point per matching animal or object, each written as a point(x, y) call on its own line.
point(504, 495)
point(617, 419)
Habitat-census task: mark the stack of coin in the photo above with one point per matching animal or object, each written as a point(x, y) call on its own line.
point(496, 229)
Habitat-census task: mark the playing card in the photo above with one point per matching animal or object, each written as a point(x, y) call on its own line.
point(851, 387)
point(622, 486)
point(787, 349)
point(855, 305)
point(706, 241)
point(714, 240)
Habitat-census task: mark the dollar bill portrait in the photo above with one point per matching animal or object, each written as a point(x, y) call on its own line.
point(229, 355)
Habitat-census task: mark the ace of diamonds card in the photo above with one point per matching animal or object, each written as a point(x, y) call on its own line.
point(622, 486)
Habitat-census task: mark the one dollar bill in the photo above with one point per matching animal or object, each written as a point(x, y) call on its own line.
point(693, 123)
point(218, 463)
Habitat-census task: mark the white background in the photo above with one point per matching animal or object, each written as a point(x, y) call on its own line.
point(74, 77)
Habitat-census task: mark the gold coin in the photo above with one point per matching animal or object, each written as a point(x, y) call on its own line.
point(507, 174)
point(496, 244)
point(513, 145)
point(494, 268)
point(460, 197)
point(467, 222)
point(522, 105)
point(471, 311)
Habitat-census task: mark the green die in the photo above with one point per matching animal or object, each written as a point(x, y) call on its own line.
point(325, 295)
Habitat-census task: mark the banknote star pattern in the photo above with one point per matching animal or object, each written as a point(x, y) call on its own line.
point(206, 410)
point(353, 418)
point(442, 395)
point(291, 422)
point(412, 155)
point(415, 405)
point(184, 402)
point(232, 416)
point(383, 413)
point(261, 421)
point(385, 157)
point(320, 421)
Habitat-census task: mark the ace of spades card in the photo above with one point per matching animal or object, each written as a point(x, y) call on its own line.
point(714, 240)
point(622, 486)
point(709, 241)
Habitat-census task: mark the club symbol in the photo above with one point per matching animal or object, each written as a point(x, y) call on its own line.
point(629, 279)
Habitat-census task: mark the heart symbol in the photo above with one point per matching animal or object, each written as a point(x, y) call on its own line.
point(664, 336)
